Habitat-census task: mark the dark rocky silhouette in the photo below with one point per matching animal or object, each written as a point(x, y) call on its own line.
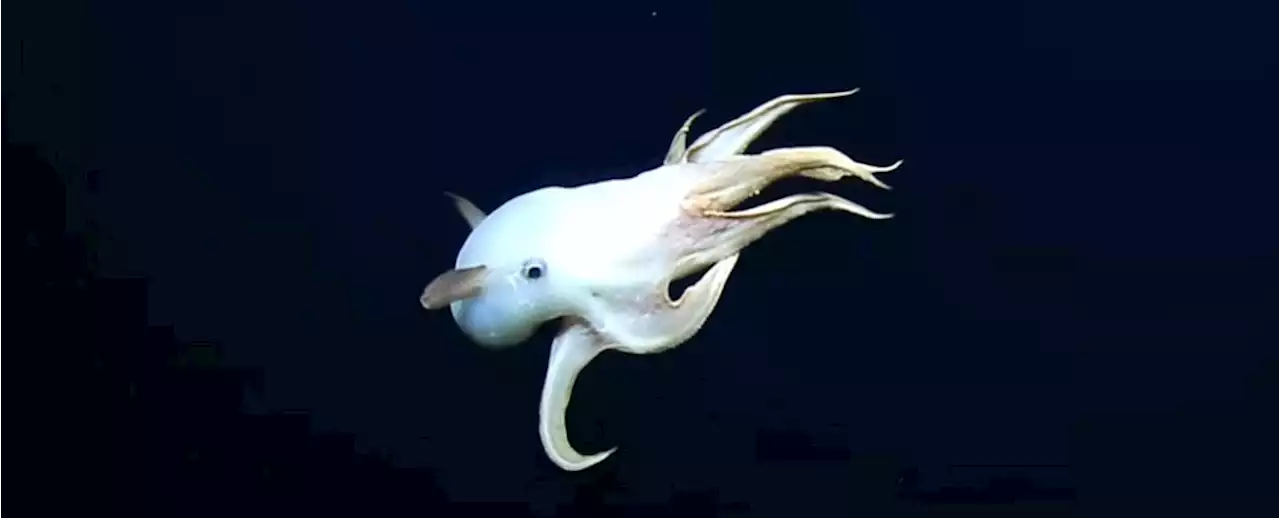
point(125, 417)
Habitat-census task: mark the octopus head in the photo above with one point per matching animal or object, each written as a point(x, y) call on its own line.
point(508, 279)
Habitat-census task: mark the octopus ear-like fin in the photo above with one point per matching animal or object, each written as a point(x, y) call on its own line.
point(734, 136)
point(675, 153)
point(575, 347)
point(469, 211)
point(452, 286)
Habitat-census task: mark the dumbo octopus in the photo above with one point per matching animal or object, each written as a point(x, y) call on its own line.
point(599, 257)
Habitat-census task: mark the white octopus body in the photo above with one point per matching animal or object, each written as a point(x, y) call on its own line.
point(599, 257)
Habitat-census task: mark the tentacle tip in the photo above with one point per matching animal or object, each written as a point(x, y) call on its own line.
point(688, 123)
point(878, 183)
point(841, 93)
point(584, 461)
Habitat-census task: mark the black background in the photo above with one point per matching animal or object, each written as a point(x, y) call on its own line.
point(1070, 314)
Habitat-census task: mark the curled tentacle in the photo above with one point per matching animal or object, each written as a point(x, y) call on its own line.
point(572, 350)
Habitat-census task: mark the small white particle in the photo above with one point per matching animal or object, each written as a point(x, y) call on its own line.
point(655, 13)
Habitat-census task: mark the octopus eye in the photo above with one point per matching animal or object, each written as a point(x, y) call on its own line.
point(534, 269)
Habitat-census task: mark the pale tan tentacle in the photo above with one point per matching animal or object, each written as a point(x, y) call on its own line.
point(741, 177)
point(733, 137)
point(571, 351)
point(779, 212)
point(663, 323)
point(675, 153)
